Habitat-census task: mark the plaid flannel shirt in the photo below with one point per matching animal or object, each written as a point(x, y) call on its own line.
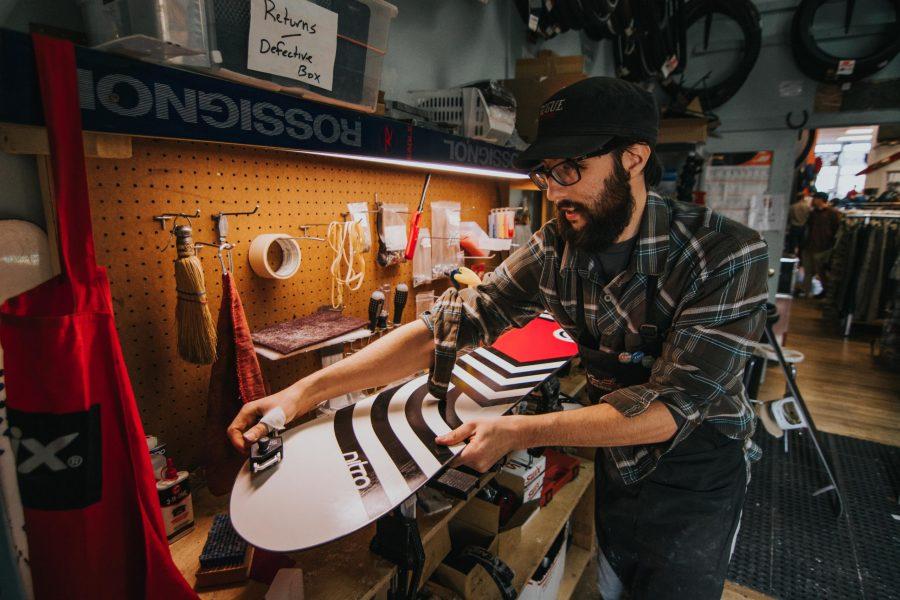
point(711, 277)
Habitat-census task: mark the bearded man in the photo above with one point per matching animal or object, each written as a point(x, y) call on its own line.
point(665, 301)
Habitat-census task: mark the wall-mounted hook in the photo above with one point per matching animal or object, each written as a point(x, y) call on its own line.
point(163, 218)
point(788, 120)
point(219, 248)
point(306, 236)
point(221, 220)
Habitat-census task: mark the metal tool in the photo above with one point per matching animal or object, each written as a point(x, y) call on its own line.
point(266, 453)
point(400, 296)
point(376, 303)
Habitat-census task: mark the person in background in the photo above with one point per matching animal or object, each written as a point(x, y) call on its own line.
point(797, 218)
point(822, 226)
point(891, 193)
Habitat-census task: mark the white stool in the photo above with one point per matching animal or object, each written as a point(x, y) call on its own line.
point(790, 412)
point(777, 408)
point(791, 357)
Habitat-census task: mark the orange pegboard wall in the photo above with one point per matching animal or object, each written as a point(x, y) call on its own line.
point(291, 190)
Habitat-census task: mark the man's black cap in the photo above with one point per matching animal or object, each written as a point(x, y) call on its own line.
point(586, 115)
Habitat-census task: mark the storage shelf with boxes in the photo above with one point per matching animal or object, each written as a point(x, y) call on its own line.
point(329, 51)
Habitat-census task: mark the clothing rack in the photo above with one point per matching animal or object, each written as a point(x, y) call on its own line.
point(859, 282)
point(876, 214)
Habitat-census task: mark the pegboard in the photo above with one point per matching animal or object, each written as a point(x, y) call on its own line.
point(291, 189)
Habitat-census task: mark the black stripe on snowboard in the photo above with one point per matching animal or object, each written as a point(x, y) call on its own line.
point(416, 418)
point(402, 459)
point(500, 370)
point(447, 408)
point(365, 479)
point(517, 363)
point(491, 383)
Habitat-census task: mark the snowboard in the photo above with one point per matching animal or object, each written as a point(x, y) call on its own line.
point(343, 471)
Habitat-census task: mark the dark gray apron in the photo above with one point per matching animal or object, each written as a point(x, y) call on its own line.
point(668, 535)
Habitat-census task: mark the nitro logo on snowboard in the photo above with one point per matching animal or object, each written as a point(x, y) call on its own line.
point(58, 458)
point(357, 470)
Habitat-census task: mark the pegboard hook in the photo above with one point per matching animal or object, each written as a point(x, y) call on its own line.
point(219, 247)
point(221, 220)
point(306, 235)
point(163, 218)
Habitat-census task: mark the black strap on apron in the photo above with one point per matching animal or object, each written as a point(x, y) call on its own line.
point(607, 366)
point(652, 327)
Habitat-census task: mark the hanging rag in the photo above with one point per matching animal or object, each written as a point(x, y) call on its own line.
point(91, 509)
point(235, 379)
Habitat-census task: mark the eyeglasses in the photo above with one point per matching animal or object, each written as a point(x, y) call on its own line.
point(565, 172)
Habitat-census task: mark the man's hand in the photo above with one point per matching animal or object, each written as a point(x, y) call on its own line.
point(489, 440)
point(246, 428)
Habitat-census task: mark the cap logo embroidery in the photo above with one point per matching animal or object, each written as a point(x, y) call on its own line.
point(552, 107)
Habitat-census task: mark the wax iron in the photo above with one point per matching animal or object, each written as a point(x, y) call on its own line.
point(266, 453)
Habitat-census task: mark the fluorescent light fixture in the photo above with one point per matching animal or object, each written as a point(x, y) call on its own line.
point(854, 138)
point(430, 166)
point(860, 130)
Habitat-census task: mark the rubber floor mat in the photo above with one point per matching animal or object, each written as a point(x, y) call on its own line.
point(791, 545)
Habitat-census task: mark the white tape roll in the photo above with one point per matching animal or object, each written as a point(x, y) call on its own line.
point(259, 256)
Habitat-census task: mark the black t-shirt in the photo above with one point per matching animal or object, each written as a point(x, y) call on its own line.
point(615, 259)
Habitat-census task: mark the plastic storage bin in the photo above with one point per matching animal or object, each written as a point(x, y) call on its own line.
point(174, 31)
point(467, 109)
point(363, 27)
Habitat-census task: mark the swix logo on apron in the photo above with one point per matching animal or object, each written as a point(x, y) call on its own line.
point(57, 458)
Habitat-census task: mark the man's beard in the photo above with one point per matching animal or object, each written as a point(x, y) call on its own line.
point(607, 216)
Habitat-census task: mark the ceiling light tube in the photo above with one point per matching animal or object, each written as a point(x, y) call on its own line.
point(430, 166)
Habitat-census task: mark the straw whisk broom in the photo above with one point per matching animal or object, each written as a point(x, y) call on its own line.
point(196, 329)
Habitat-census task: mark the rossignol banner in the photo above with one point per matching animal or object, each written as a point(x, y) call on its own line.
point(122, 95)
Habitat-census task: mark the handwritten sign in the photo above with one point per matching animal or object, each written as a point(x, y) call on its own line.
point(293, 38)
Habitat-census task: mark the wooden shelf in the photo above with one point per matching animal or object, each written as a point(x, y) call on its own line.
point(577, 559)
point(339, 570)
point(347, 569)
point(293, 123)
point(540, 532)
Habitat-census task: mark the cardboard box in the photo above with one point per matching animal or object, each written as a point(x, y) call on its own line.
point(682, 131)
point(485, 517)
point(520, 479)
point(437, 548)
point(471, 583)
point(530, 93)
point(548, 586)
point(548, 63)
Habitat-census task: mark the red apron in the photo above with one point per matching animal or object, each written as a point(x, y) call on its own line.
point(91, 510)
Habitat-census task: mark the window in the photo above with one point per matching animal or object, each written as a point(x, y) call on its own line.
point(840, 164)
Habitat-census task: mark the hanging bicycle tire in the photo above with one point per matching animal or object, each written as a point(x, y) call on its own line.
point(746, 16)
point(626, 51)
point(648, 41)
point(820, 65)
point(598, 14)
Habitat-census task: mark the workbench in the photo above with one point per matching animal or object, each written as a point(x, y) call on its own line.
point(346, 568)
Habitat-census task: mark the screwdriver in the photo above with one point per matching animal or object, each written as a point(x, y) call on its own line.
point(414, 223)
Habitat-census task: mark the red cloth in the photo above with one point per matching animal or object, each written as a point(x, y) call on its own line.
point(91, 509)
point(235, 378)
